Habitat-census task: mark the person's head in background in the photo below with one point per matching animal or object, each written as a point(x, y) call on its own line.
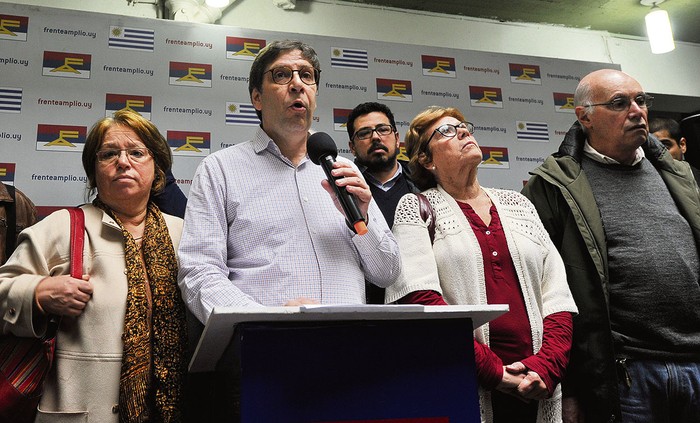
point(374, 140)
point(668, 131)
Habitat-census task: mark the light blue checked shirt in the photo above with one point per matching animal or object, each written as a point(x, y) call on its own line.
point(260, 232)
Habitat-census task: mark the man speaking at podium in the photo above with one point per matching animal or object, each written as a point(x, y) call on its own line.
point(260, 229)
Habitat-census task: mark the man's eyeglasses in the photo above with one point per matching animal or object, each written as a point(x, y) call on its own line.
point(283, 75)
point(382, 130)
point(621, 104)
point(449, 131)
point(135, 155)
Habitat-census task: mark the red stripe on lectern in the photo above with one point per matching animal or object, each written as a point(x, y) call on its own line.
point(411, 420)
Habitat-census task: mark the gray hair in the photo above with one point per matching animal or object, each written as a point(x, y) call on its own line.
point(584, 96)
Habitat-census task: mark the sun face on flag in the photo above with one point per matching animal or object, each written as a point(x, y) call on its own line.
point(244, 114)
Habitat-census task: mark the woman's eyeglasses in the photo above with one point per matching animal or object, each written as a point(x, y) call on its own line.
point(135, 154)
point(449, 131)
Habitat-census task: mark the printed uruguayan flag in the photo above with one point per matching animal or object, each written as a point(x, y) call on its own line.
point(131, 38)
point(10, 100)
point(349, 58)
point(241, 114)
point(532, 131)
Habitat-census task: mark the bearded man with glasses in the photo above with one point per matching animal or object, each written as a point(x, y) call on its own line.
point(624, 216)
point(374, 141)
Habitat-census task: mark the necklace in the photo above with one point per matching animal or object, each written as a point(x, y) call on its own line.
point(139, 244)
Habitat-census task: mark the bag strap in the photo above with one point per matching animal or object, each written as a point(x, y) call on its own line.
point(427, 213)
point(77, 240)
point(11, 215)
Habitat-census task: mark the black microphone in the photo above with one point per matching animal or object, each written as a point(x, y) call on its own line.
point(322, 151)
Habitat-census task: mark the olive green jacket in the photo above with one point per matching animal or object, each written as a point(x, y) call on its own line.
point(564, 200)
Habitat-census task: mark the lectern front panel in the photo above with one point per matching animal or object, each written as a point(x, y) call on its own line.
point(358, 371)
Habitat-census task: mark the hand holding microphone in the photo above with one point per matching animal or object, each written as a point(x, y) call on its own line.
point(322, 151)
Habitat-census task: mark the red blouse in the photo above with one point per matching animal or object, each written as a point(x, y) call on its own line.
point(510, 334)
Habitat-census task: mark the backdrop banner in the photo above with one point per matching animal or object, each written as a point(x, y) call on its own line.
point(62, 70)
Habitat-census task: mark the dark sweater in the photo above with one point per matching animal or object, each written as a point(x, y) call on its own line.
point(388, 200)
point(653, 264)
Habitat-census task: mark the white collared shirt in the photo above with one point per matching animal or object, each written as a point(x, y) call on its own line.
point(386, 186)
point(260, 231)
point(593, 154)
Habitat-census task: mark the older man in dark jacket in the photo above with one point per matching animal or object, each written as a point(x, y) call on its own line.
point(626, 219)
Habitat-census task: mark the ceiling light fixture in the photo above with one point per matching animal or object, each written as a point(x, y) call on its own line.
point(217, 3)
point(285, 4)
point(658, 28)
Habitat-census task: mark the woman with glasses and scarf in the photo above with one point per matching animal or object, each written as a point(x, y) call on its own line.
point(121, 342)
point(488, 247)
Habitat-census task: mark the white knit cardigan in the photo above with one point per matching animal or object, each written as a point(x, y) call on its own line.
point(453, 266)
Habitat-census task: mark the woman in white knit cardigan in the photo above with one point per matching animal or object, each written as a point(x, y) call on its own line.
point(488, 247)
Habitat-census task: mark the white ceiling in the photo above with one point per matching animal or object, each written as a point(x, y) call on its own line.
point(615, 16)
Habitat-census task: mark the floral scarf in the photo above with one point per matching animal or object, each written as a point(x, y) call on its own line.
point(155, 331)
